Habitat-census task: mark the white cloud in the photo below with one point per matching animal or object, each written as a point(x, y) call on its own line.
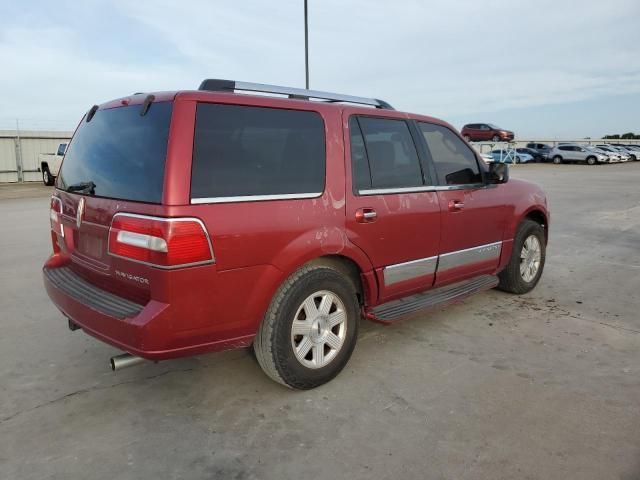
point(439, 58)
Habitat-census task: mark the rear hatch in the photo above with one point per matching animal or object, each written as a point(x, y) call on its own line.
point(114, 163)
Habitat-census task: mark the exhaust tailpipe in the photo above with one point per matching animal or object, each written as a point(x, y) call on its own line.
point(125, 360)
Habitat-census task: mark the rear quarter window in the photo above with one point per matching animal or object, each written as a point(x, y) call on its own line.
point(244, 151)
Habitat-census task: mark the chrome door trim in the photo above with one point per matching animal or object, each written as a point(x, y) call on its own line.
point(429, 188)
point(460, 258)
point(464, 186)
point(400, 272)
point(256, 198)
point(386, 191)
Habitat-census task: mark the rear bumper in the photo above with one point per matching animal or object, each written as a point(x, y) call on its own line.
point(143, 330)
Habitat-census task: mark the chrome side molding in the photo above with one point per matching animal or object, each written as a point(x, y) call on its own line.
point(467, 256)
point(408, 270)
point(400, 272)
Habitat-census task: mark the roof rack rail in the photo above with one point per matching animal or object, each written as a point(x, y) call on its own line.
point(219, 85)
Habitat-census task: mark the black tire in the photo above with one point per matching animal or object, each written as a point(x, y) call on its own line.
point(557, 159)
point(47, 178)
point(592, 160)
point(511, 279)
point(273, 343)
point(496, 138)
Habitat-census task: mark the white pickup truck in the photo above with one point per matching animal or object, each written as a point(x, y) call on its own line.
point(50, 164)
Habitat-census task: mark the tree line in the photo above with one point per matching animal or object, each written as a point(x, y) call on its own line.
point(624, 136)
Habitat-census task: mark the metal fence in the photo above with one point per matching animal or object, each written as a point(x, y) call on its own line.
point(19, 151)
point(484, 147)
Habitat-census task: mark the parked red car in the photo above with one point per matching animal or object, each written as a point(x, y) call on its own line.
point(485, 132)
point(198, 221)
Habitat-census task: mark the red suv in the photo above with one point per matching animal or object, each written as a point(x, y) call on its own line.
point(485, 132)
point(198, 221)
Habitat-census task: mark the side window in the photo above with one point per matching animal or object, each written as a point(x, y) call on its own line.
point(484, 127)
point(565, 149)
point(454, 161)
point(359, 163)
point(249, 151)
point(62, 148)
point(392, 155)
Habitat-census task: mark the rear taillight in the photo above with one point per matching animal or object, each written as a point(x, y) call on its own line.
point(160, 242)
point(55, 213)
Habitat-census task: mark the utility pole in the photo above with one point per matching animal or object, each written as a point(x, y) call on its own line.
point(306, 45)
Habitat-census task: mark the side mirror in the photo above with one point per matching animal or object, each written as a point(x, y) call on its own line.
point(498, 173)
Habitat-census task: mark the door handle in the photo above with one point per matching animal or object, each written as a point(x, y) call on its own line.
point(366, 215)
point(455, 205)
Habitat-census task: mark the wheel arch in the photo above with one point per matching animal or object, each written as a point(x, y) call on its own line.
point(540, 217)
point(350, 269)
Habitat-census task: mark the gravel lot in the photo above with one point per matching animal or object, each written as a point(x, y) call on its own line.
point(543, 386)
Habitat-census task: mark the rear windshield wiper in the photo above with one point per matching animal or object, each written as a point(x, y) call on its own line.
point(83, 187)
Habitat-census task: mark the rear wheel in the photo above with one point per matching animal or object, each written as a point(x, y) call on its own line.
point(527, 259)
point(467, 138)
point(557, 159)
point(310, 329)
point(47, 178)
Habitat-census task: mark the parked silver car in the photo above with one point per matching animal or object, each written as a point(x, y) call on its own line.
point(611, 157)
point(611, 152)
point(576, 153)
point(633, 154)
point(624, 155)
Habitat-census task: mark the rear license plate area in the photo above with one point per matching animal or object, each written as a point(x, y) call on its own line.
point(91, 245)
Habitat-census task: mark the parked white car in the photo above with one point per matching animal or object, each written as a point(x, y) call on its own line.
point(50, 164)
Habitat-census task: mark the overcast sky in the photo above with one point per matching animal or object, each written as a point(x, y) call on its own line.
point(548, 69)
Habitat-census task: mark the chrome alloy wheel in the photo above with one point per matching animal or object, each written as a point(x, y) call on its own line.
point(530, 257)
point(319, 329)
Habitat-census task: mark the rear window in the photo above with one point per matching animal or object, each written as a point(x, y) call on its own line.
point(242, 151)
point(119, 154)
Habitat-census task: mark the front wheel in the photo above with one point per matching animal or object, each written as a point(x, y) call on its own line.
point(591, 161)
point(496, 138)
point(525, 266)
point(310, 329)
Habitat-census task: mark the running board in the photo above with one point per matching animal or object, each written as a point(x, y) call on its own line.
point(392, 311)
